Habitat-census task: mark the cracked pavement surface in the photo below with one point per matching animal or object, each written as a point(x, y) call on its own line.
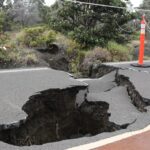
point(16, 88)
point(21, 85)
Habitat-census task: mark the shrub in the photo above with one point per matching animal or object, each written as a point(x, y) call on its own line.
point(37, 37)
point(75, 64)
point(3, 38)
point(68, 44)
point(13, 57)
point(97, 55)
point(146, 57)
point(31, 59)
point(73, 52)
point(2, 19)
point(119, 52)
point(136, 35)
point(25, 56)
point(88, 38)
point(3, 56)
point(49, 37)
point(8, 56)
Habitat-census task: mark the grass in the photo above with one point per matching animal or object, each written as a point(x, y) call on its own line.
point(19, 48)
point(17, 57)
point(136, 35)
point(119, 52)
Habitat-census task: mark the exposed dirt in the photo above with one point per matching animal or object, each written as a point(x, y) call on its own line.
point(53, 57)
point(97, 70)
point(137, 100)
point(53, 116)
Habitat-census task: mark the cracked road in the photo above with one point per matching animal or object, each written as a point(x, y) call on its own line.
point(18, 85)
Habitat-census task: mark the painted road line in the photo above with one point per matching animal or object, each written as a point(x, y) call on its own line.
point(100, 143)
point(124, 62)
point(22, 70)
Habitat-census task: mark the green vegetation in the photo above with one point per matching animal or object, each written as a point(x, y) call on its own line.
point(119, 52)
point(2, 19)
point(135, 36)
point(36, 37)
point(3, 56)
point(90, 26)
point(98, 55)
point(3, 38)
point(74, 51)
point(17, 57)
point(87, 34)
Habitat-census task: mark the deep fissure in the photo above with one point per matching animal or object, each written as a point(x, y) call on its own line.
point(53, 115)
point(137, 100)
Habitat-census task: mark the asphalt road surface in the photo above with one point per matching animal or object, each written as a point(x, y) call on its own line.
point(18, 85)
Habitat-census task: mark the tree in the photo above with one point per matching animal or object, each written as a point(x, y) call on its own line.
point(2, 19)
point(8, 4)
point(1, 3)
point(25, 12)
point(146, 5)
point(39, 4)
point(90, 25)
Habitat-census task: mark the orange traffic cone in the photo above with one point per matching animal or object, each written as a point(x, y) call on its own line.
point(142, 45)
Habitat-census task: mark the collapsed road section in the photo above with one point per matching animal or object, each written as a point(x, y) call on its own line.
point(53, 114)
point(136, 80)
point(40, 106)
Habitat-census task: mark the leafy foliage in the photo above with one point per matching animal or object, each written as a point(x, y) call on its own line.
point(17, 57)
point(84, 31)
point(1, 3)
point(3, 38)
point(98, 55)
point(146, 5)
point(37, 37)
point(73, 51)
point(119, 52)
point(2, 19)
point(3, 56)
point(89, 25)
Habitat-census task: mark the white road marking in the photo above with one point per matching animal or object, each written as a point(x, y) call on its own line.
point(124, 62)
point(89, 79)
point(22, 70)
point(98, 143)
point(109, 140)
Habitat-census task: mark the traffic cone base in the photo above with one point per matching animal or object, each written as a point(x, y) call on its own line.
point(141, 66)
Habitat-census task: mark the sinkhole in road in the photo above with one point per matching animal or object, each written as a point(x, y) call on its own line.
point(54, 116)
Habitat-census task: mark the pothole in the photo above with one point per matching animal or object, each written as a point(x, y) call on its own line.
point(54, 116)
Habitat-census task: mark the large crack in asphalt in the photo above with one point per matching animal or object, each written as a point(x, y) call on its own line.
point(136, 98)
point(60, 114)
point(99, 70)
point(53, 115)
